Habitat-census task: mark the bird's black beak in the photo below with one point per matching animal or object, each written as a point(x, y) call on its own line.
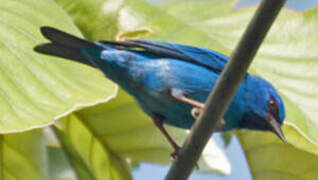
point(275, 127)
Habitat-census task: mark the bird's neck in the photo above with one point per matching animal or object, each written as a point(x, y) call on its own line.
point(237, 108)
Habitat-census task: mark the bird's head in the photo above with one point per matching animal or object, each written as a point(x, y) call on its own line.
point(264, 108)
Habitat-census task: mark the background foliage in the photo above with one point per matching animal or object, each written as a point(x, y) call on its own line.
point(103, 137)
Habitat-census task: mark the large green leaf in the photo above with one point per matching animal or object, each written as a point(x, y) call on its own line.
point(90, 158)
point(268, 158)
point(97, 19)
point(23, 155)
point(35, 89)
point(123, 16)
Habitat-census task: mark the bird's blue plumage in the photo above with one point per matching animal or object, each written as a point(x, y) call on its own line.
point(151, 86)
point(151, 70)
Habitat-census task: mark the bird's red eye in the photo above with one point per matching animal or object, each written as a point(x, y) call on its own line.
point(272, 104)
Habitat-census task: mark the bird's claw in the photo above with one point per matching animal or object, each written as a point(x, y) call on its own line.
point(195, 113)
point(175, 154)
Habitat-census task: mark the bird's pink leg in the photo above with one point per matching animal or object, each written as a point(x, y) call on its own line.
point(197, 106)
point(159, 123)
point(184, 99)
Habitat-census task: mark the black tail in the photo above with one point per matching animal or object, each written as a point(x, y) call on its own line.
point(64, 45)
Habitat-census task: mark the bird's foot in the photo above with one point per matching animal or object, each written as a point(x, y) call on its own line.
point(175, 154)
point(159, 123)
point(195, 112)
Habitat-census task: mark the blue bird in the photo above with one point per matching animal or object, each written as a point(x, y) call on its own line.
point(171, 81)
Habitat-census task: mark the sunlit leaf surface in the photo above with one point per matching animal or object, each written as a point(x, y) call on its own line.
point(35, 89)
